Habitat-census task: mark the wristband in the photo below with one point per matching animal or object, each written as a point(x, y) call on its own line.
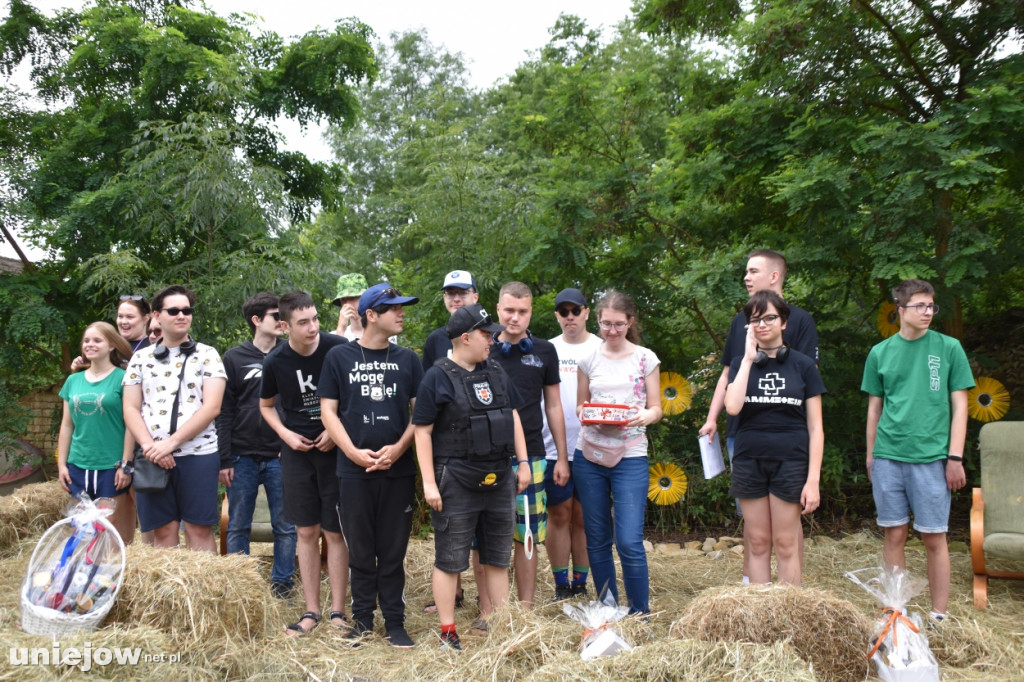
point(522, 461)
point(954, 458)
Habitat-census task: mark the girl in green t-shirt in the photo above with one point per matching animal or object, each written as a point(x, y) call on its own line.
point(93, 439)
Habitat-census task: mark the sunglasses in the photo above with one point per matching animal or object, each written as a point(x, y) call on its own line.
point(486, 321)
point(174, 312)
point(575, 310)
point(276, 315)
point(387, 293)
point(131, 298)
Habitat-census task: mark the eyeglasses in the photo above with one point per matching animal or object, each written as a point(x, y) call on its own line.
point(922, 308)
point(618, 326)
point(387, 293)
point(575, 310)
point(766, 320)
point(174, 312)
point(456, 292)
point(275, 314)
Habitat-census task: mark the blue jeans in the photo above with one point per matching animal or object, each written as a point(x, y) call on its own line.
point(624, 486)
point(249, 475)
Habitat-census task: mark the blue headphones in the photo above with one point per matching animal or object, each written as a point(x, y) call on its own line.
point(525, 344)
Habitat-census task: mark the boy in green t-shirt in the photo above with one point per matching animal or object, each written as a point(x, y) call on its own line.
point(917, 383)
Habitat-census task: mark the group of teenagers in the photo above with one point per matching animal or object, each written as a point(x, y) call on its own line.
point(326, 423)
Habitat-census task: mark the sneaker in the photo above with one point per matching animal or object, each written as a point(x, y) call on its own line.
point(580, 590)
point(357, 633)
point(450, 640)
point(563, 592)
point(478, 627)
point(281, 590)
point(400, 639)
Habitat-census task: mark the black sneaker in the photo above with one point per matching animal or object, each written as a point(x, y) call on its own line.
point(400, 639)
point(357, 633)
point(563, 592)
point(579, 590)
point(281, 590)
point(450, 640)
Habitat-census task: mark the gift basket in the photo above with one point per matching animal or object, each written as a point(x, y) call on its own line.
point(601, 637)
point(900, 649)
point(75, 573)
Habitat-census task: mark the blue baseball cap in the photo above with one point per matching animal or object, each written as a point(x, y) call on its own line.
point(383, 294)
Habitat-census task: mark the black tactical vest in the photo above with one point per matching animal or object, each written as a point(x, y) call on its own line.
point(479, 423)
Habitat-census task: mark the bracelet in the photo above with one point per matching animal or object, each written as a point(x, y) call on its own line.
point(522, 461)
point(954, 458)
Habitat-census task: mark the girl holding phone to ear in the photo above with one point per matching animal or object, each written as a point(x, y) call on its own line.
point(776, 394)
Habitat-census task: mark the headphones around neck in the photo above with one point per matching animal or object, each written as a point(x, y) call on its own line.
point(188, 347)
point(761, 359)
point(525, 344)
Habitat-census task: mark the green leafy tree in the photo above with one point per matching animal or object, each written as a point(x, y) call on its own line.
point(155, 158)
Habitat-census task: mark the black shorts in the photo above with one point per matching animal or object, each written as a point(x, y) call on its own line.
point(756, 477)
point(310, 484)
point(489, 515)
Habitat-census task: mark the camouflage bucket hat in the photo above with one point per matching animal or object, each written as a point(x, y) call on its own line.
point(349, 286)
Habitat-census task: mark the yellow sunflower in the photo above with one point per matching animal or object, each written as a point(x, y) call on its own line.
point(668, 483)
point(676, 393)
point(988, 401)
point(888, 320)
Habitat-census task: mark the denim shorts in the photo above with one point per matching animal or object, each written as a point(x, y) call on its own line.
point(557, 494)
point(484, 515)
point(901, 488)
point(191, 495)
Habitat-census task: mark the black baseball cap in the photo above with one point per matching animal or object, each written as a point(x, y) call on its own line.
point(471, 317)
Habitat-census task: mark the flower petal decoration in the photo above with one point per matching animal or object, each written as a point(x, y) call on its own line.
point(988, 401)
point(676, 393)
point(888, 322)
point(667, 484)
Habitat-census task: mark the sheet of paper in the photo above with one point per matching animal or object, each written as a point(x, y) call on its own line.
point(711, 456)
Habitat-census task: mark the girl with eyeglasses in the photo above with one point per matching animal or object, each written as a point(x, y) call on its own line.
point(609, 466)
point(93, 440)
point(775, 393)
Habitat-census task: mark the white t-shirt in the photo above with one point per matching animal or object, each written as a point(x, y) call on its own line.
point(569, 356)
point(159, 379)
point(620, 382)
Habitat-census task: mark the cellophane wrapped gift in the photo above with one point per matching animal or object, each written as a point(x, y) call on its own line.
point(899, 647)
point(74, 574)
point(600, 635)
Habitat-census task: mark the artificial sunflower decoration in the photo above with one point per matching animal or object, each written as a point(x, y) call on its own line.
point(988, 401)
point(668, 483)
point(676, 393)
point(888, 322)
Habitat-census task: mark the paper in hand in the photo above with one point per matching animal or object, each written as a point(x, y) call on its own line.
point(711, 456)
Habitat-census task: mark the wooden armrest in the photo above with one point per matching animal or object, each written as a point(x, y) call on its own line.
point(978, 532)
point(224, 526)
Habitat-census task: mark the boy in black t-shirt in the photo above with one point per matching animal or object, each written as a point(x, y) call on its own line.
point(291, 373)
point(366, 390)
point(467, 428)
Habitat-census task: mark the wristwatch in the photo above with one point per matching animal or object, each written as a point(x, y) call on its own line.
point(954, 458)
point(127, 467)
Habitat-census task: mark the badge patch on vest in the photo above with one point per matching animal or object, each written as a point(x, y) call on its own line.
point(483, 393)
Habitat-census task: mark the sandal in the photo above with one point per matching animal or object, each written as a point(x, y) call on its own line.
point(460, 601)
point(344, 620)
point(296, 627)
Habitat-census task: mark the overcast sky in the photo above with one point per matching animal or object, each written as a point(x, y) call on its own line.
point(493, 37)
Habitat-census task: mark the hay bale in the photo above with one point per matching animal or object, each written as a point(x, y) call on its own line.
point(194, 596)
point(829, 633)
point(685, 660)
point(29, 511)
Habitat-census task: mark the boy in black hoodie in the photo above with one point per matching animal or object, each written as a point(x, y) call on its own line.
point(250, 450)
